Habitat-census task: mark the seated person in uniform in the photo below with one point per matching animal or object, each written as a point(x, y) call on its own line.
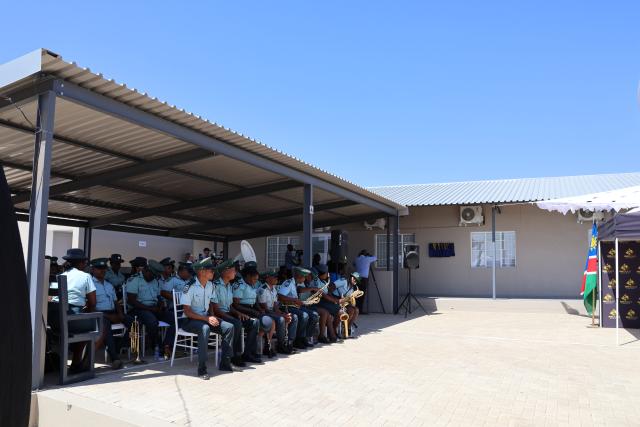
point(143, 295)
point(196, 300)
point(320, 279)
point(341, 289)
point(137, 265)
point(107, 303)
point(305, 290)
point(176, 283)
point(114, 275)
point(286, 323)
point(222, 307)
point(245, 298)
point(307, 319)
point(81, 296)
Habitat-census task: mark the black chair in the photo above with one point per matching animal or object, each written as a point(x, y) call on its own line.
point(67, 337)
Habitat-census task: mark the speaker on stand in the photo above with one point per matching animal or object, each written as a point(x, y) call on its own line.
point(411, 261)
point(339, 248)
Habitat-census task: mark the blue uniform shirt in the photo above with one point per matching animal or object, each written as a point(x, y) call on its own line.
point(342, 288)
point(268, 296)
point(116, 279)
point(79, 284)
point(288, 288)
point(223, 295)
point(105, 295)
point(174, 283)
point(245, 293)
point(198, 297)
point(147, 292)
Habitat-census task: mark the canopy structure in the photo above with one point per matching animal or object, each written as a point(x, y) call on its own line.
point(624, 226)
point(616, 200)
point(81, 150)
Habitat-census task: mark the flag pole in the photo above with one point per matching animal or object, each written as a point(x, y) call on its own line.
point(593, 294)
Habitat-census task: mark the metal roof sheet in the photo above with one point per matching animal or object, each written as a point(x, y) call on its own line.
point(505, 190)
point(118, 172)
point(46, 61)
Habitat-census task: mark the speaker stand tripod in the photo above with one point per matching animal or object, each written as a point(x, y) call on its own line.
point(375, 282)
point(406, 302)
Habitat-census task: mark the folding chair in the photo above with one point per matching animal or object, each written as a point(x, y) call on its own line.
point(183, 338)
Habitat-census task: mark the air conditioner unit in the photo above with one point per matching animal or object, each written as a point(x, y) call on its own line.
point(380, 223)
point(471, 215)
point(589, 216)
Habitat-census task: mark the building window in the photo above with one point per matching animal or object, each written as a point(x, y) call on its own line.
point(277, 247)
point(381, 247)
point(482, 249)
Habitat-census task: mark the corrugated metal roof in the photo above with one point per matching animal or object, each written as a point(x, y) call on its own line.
point(505, 190)
point(53, 64)
point(95, 147)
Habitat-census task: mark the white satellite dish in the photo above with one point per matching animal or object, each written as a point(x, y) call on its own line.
point(246, 253)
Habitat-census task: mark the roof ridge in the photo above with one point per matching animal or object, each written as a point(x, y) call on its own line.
point(505, 180)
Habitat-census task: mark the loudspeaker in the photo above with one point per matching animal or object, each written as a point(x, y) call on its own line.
point(339, 244)
point(411, 256)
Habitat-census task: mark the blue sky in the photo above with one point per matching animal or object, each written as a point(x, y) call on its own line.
point(378, 92)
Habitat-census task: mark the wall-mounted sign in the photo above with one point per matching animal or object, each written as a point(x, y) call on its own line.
point(142, 243)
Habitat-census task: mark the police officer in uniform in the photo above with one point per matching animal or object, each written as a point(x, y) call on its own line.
point(222, 306)
point(176, 283)
point(114, 275)
point(196, 299)
point(307, 319)
point(81, 296)
point(245, 298)
point(268, 300)
point(143, 295)
point(106, 302)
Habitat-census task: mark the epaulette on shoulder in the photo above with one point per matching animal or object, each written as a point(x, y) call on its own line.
point(188, 285)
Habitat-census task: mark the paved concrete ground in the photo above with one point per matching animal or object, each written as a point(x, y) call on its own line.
point(472, 362)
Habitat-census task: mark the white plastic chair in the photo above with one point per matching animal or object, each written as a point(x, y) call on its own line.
point(185, 339)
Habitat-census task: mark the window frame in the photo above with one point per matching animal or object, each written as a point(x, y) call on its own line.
point(294, 240)
point(501, 251)
point(381, 262)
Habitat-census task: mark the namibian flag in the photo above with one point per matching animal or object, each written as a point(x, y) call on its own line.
point(590, 278)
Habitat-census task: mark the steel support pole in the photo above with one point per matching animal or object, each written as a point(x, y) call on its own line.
point(225, 249)
point(396, 262)
point(617, 289)
point(495, 252)
point(38, 211)
point(388, 243)
point(87, 241)
point(307, 225)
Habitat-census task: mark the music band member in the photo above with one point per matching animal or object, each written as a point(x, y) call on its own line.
point(196, 300)
point(286, 323)
point(307, 319)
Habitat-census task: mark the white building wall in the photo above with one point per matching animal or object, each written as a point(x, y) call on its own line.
point(551, 251)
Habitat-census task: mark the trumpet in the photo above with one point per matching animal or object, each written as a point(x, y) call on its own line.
point(134, 340)
point(316, 296)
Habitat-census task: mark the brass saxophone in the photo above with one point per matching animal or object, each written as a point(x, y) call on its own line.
point(344, 315)
point(316, 296)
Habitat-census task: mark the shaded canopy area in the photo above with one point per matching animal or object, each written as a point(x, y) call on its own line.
point(621, 226)
point(122, 160)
